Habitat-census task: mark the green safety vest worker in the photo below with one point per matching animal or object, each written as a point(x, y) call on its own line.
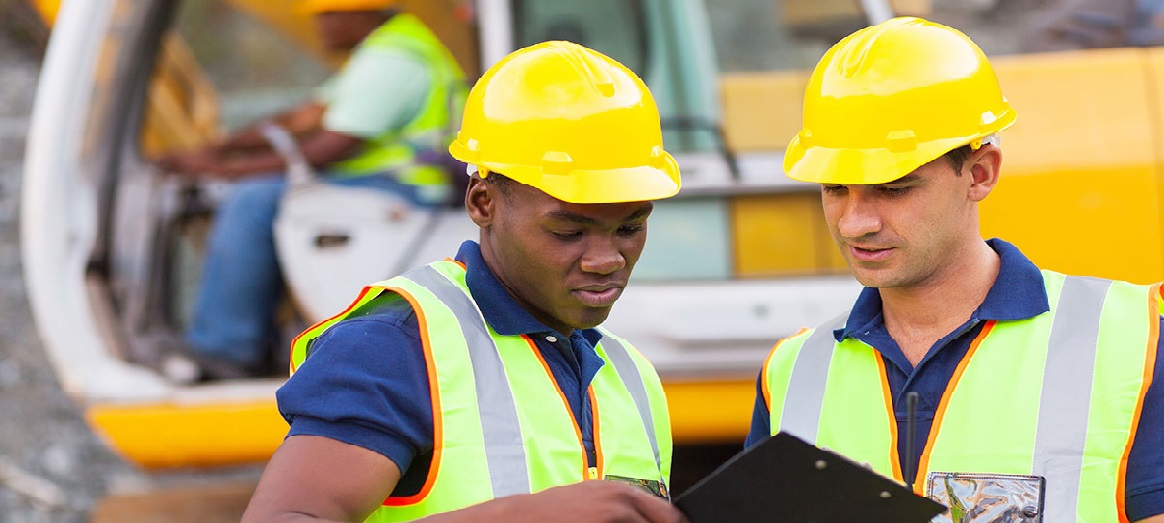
point(431, 129)
point(501, 426)
point(1057, 396)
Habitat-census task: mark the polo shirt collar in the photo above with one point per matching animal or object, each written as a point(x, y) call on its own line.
point(1017, 294)
point(501, 311)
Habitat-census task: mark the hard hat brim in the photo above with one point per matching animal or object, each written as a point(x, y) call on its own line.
point(315, 7)
point(628, 184)
point(870, 166)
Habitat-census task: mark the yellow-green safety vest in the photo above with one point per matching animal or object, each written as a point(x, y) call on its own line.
point(1058, 395)
point(501, 425)
point(433, 127)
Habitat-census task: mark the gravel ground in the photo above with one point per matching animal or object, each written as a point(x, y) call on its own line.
point(52, 468)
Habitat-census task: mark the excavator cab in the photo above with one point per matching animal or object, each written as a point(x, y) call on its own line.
point(741, 257)
point(116, 244)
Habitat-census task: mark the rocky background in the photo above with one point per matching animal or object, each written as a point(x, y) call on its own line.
point(51, 467)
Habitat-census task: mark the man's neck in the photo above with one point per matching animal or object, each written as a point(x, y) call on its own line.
point(917, 317)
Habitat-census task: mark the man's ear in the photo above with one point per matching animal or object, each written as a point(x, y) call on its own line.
point(481, 201)
point(983, 167)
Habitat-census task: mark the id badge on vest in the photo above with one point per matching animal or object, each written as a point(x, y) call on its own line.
point(981, 498)
point(653, 487)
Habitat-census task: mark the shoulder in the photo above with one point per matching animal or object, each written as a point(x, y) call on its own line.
point(785, 351)
point(385, 324)
point(387, 309)
point(376, 348)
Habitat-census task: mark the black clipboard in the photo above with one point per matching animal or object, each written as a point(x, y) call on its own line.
point(785, 479)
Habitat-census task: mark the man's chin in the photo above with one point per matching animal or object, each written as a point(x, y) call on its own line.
point(593, 318)
point(874, 278)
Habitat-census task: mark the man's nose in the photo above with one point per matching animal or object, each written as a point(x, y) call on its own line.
point(859, 216)
point(602, 256)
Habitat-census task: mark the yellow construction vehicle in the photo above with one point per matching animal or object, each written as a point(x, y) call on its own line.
point(738, 260)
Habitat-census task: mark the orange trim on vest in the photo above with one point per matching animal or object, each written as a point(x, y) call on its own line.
point(565, 403)
point(598, 461)
point(764, 369)
point(924, 462)
point(350, 306)
point(437, 419)
point(1149, 371)
point(888, 395)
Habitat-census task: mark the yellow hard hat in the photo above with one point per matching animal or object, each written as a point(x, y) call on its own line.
point(571, 122)
point(889, 98)
point(324, 6)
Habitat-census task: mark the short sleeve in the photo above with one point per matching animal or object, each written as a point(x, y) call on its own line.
point(761, 418)
point(365, 384)
point(1145, 473)
point(377, 91)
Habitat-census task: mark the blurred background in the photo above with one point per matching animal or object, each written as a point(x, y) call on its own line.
point(89, 431)
point(52, 468)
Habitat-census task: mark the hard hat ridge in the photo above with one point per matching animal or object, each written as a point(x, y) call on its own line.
point(571, 122)
point(891, 97)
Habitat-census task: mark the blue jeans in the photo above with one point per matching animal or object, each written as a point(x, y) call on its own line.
point(241, 283)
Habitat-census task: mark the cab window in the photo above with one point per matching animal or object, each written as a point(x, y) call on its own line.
point(767, 35)
point(615, 28)
point(1026, 26)
point(225, 64)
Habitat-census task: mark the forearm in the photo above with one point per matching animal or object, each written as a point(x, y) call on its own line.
point(250, 164)
point(245, 140)
point(303, 119)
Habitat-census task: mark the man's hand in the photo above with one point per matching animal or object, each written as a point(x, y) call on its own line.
point(201, 160)
point(585, 502)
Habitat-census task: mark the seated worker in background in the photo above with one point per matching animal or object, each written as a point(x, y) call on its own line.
point(389, 103)
point(1015, 375)
point(486, 377)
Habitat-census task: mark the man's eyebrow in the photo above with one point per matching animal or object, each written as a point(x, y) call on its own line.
point(909, 178)
point(574, 217)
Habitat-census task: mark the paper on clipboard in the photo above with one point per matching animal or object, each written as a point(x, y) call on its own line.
point(786, 479)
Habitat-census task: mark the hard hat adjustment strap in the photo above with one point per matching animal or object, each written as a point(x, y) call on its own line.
point(978, 143)
point(471, 169)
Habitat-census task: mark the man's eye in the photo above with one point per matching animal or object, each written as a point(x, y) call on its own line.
point(630, 230)
point(566, 235)
point(832, 189)
point(896, 190)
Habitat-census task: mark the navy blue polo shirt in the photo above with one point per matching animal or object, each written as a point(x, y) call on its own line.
point(1018, 293)
point(365, 381)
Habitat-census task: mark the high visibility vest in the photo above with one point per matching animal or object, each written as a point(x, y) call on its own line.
point(501, 424)
point(1058, 395)
point(432, 129)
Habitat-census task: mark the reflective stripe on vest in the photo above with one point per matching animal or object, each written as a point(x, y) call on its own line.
point(432, 128)
point(1067, 413)
point(503, 427)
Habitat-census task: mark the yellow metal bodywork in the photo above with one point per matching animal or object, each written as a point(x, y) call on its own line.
point(173, 434)
point(783, 235)
point(1080, 190)
point(710, 411)
point(167, 435)
point(762, 111)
